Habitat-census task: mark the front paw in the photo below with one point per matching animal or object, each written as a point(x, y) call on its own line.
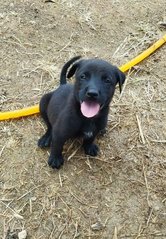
point(91, 149)
point(55, 162)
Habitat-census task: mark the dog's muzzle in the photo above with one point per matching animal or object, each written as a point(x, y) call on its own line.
point(92, 94)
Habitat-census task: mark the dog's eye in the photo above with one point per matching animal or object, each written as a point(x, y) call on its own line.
point(106, 79)
point(83, 77)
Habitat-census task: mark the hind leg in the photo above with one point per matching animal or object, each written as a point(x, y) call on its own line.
point(45, 140)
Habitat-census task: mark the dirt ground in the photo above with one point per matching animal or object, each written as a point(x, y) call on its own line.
point(121, 194)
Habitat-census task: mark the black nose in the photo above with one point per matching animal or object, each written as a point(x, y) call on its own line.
point(92, 93)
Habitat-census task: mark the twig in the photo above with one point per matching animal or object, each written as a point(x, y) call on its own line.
point(61, 233)
point(53, 230)
point(140, 129)
point(85, 215)
point(73, 153)
point(60, 180)
point(63, 201)
point(143, 235)
point(28, 192)
point(125, 83)
point(2, 150)
point(115, 236)
point(71, 145)
point(121, 46)
point(80, 201)
point(140, 232)
point(104, 161)
point(88, 163)
point(158, 141)
point(164, 200)
point(18, 216)
point(146, 183)
point(64, 47)
point(149, 217)
point(76, 230)
point(30, 205)
point(113, 127)
point(147, 224)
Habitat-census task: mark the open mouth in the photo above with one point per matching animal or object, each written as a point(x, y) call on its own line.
point(90, 108)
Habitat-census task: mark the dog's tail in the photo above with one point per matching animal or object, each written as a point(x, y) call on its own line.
point(65, 68)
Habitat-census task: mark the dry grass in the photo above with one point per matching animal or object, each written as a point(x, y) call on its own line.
point(121, 193)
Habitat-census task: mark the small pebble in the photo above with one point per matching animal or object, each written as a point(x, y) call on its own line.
point(22, 234)
point(97, 226)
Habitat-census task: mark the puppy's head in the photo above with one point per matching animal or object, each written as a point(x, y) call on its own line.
point(95, 84)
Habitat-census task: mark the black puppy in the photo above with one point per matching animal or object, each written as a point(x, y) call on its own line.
point(79, 109)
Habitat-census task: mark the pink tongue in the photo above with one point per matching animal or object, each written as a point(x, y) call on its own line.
point(89, 109)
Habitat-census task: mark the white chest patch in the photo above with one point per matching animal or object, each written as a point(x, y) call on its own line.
point(88, 134)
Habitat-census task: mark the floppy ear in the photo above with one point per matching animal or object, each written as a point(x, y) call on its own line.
point(65, 69)
point(72, 70)
point(120, 78)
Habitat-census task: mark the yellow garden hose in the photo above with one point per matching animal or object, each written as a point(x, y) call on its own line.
point(19, 113)
point(143, 55)
point(35, 109)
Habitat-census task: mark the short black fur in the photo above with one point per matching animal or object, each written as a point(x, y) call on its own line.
point(95, 82)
